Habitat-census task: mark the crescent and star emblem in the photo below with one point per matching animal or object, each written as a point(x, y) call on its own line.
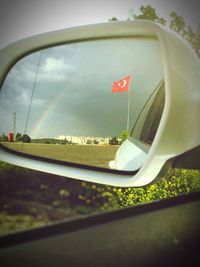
point(122, 84)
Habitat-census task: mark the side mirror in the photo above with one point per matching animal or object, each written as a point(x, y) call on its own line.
point(74, 94)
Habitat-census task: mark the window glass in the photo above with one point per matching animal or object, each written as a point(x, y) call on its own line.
point(148, 121)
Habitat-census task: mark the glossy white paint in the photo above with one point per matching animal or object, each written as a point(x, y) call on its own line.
point(129, 157)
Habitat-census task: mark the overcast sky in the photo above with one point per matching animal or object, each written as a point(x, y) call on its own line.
point(72, 94)
point(21, 18)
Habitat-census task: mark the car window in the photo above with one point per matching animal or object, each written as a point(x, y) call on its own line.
point(146, 126)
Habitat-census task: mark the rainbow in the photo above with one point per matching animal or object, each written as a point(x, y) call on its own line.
point(35, 129)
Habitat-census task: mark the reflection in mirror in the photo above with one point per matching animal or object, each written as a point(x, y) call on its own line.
point(96, 103)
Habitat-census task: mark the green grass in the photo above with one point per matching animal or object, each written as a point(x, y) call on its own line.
point(94, 155)
point(30, 198)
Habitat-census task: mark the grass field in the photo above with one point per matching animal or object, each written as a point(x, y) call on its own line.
point(94, 155)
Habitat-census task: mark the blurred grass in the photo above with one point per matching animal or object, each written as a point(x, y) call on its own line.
point(12, 223)
point(30, 198)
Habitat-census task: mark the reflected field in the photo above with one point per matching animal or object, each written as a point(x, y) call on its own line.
point(93, 155)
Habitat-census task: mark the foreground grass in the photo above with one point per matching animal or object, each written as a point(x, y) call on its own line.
point(30, 199)
point(12, 223)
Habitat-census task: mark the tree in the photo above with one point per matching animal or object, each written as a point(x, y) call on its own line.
point(113, 19)
point(18, 137)
point(190, 35)
point(124, 135)
point(179, 26)
point(196, 41)
point(149, 13)
point(113, 141)
point(4, 137)
point(89, 142)
point(26, 138)
point(177, 23)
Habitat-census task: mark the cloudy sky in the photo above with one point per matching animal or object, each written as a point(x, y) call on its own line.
point(72, 94)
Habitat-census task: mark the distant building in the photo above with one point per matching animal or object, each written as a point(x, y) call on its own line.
point(84, 140)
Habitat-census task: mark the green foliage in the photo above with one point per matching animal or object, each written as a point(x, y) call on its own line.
point(4, 138)
point(100, 197)
point(149, 13)
point(26, 139)
point(124, 135)
point(113, 141)
point(18, 137)
point(23, 183)
point(176, 182)
point(45, 198)
point(177, 23)
point(113, 19)
point(196, 41)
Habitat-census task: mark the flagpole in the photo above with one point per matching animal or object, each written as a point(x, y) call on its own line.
point(124, 86)
point(129, 104)
point(128, 111)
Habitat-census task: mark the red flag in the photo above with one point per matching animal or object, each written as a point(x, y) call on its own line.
point(121, 85)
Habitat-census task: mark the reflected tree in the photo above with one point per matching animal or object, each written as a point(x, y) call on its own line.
point(124, 135)
point(18, 137)
point(26, 139)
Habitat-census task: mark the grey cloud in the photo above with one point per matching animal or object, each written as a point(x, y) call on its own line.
point(73, 86)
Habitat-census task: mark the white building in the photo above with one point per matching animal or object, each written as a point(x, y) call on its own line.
point(84, 140)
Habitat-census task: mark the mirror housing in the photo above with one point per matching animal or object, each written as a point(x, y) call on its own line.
point(178, 131)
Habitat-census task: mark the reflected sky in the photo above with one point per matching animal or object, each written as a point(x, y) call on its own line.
point(72, 93)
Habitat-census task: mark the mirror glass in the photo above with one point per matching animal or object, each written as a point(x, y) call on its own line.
point(95, 103)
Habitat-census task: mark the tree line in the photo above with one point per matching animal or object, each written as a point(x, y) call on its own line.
point(25, 138)
point(177, 24)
